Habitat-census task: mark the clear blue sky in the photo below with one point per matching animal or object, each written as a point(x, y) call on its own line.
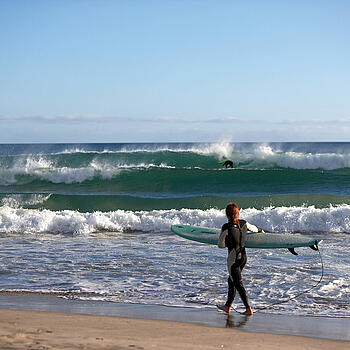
point(179, 70)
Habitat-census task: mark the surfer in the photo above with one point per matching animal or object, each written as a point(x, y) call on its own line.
point(233, 235)
point(228, 164)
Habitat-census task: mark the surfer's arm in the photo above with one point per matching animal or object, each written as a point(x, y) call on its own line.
point(222, 239)
point(253, 228)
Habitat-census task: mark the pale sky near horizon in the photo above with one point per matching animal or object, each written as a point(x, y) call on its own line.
point(172, 71)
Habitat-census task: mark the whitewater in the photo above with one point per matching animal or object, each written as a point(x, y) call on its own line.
point(335, 219)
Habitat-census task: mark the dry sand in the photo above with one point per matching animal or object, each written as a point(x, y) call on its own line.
point(49, 330)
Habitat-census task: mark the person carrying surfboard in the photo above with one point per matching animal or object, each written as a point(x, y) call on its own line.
point(233, 235)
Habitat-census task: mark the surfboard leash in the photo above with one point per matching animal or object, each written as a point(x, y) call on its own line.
point(295, 296)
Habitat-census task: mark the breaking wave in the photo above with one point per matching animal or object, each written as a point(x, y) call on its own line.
point(281, 219)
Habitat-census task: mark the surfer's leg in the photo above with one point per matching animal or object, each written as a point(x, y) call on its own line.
point(248, 311)
point(243, 294)
point(231, 292)
point(238, 284)
point(243, 261)
point(230, 297)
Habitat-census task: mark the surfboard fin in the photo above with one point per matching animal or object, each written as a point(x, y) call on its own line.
point(314, 247)
point(293, 251)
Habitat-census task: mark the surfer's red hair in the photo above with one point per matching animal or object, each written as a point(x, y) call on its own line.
point(232, 212)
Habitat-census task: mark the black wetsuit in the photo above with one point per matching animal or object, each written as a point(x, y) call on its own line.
point(234, 240)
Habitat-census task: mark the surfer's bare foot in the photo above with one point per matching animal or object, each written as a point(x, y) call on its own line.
point(248, 312)
point(224, 308)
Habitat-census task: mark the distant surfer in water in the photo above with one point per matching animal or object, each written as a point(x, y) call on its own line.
point(228, 164)
point(233, 235)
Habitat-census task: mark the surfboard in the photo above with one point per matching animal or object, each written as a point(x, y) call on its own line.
point(253, 240)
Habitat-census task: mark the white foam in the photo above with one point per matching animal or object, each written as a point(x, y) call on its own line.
point(282, 219)
point(219, 149)
point(107, 171)
point(45, 169)
point(339, 286)
point(295, 160)
point(127, 149)
point(19, 200)
point(31, 165)
point(301, 219)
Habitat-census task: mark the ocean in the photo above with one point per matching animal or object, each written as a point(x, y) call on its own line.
point(92, 222)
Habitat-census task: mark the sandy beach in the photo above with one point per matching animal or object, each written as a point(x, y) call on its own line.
point(37, 321)
point(48, 330)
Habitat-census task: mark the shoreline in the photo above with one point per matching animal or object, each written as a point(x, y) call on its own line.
point(321, 328)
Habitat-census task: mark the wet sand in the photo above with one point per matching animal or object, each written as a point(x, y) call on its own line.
point(36, 321)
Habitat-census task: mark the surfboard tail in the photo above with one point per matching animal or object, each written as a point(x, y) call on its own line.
point(312, 246)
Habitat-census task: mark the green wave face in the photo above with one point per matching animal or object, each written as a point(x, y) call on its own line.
point(105, 203)
point(160, 182)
